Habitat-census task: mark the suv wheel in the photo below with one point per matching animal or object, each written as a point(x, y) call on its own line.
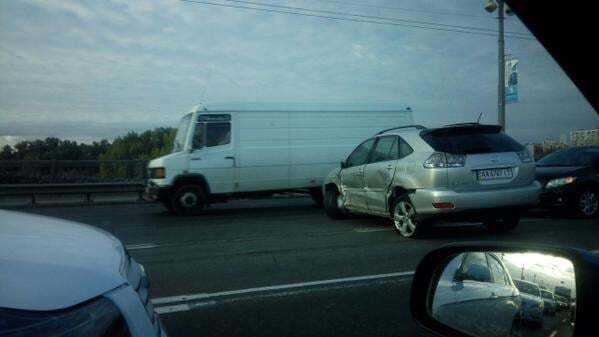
point(503, 224)
point(188, 200)
point(587, 203)
point(333, 204)
point(404, 219)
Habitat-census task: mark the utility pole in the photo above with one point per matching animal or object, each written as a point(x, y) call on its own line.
point(501, 67)
point(490, 7)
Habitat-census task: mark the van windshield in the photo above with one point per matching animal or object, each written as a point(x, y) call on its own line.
point(181, 133)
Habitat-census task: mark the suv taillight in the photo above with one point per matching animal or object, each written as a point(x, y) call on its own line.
point(444, 160)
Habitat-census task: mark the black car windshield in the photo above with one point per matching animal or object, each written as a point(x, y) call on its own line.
point(570, 157)
point(527, 288)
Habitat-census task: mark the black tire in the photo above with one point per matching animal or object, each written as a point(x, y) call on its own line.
point(331, 205)
point(503, 224)
point(188, 200)
point(405, 219)
point(317, 197)
point(586, 203)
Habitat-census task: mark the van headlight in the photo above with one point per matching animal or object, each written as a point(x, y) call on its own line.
point(560, 182)
point(157, 173)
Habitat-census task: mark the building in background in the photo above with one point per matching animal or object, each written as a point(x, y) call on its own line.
point(584, 137)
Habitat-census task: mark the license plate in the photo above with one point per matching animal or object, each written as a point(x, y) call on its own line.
point(492, 174)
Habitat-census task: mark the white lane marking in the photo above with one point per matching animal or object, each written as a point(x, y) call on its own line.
point(167, 309)
point(201, 296)
point(553, 333)
point(368, 230)
point(595, 251)
point(142, 246)
point(181, 307)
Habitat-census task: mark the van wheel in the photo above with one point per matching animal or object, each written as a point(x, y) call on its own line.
point(333, 204)
point(405, 220)
point(502, 224)
point(188, 200)
point(317, 197)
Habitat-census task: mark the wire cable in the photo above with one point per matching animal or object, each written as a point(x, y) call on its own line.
point(352, 19)
point(372, 17)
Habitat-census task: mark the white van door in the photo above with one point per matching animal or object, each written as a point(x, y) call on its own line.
point(212, 152)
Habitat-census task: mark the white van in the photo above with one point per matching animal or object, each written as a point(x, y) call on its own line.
point(222, 152)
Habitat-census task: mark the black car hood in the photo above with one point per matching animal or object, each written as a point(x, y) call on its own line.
point(546, 173)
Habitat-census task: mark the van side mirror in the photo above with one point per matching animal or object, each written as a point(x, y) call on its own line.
point(343, 164)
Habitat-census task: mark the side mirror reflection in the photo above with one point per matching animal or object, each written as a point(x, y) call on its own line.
point(494, 293)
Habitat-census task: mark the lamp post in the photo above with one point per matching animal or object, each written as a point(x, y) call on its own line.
point(490, 7)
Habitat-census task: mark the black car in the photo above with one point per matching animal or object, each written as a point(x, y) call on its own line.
point(570, 178)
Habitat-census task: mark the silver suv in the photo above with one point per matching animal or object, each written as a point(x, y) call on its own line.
point(414, 175)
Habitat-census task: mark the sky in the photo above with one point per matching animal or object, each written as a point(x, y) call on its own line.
point(86, 70)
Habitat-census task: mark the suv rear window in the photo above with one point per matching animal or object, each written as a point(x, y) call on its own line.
point(470, 140)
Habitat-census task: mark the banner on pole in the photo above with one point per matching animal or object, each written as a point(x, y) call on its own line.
point(511, 80)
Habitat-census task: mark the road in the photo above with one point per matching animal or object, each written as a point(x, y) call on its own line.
point(280, 267)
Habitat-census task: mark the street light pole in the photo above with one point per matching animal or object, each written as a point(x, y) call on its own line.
point(501, 67)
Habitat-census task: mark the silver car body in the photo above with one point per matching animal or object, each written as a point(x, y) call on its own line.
point(50, 264)
point(370, 187)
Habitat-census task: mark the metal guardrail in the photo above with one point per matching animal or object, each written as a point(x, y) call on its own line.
point(85, 189)
point(71, 171)
point(35, 178)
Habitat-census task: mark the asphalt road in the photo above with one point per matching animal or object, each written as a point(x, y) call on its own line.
point(280, 267)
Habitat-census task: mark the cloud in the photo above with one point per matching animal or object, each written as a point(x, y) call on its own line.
point(145, 62)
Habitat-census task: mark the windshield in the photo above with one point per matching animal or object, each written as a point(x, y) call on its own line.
point(281, 167)
point(571, 157)
point(527, 288)
point(180, 137)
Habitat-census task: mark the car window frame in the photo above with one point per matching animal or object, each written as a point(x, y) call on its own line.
point(503, 273)
point(400, 156)
point(204, 125)
point(373, 139)
point(373, 149)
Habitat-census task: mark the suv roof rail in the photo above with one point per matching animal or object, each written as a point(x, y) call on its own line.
point(414, 126)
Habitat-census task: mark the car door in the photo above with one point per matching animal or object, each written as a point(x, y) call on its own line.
point(378, 173)
point(212, 154)
point(504, 298)
point(352, 176)
point(473, 288)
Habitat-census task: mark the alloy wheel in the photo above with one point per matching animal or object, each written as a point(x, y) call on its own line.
point(588, 203)
point(404, 218)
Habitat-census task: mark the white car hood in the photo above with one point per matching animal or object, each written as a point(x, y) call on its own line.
point(49, 264)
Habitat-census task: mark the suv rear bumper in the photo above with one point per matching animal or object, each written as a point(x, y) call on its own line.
point(472, 201)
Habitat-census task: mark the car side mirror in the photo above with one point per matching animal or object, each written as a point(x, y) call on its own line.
point(343, 164)
point(509, 302)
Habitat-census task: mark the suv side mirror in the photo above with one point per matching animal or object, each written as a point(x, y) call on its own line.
point(343, 164)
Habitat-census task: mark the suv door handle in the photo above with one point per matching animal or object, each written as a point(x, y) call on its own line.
point(389, 167)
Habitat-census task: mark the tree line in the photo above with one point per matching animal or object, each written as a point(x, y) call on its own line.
point(132, 146)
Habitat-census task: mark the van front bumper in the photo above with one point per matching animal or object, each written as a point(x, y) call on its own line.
point(155, 192)
point(473, 202)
